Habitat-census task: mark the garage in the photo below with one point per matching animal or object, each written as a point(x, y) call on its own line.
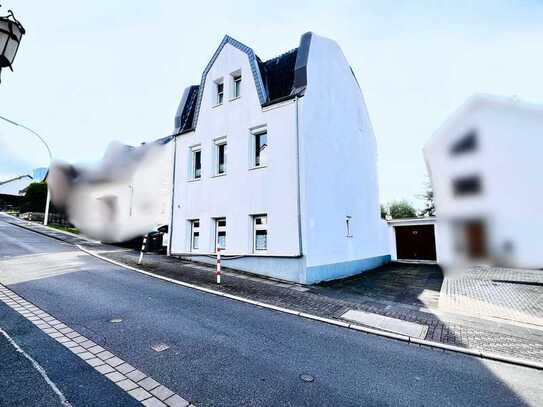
point(413, 239)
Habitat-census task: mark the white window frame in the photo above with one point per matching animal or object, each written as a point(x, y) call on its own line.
point(236, 79)
point(218, 143)
point(219, 96)
point(257, 227)
point(254, 134)
point(194, 229)
point(349, 226)
point(192, 161)
point(220, 229)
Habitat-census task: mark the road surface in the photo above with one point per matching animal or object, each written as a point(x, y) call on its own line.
point(220, 352)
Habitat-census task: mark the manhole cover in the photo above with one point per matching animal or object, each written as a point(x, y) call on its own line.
point(307, 377)
point(115, 320)
point(160, 347)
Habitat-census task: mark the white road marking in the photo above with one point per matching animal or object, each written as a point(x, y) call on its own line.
point(103, 361)
point(38, 367)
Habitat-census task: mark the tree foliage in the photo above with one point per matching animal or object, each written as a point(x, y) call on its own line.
point(428, 196)
point(34, 199)
point(401, 209)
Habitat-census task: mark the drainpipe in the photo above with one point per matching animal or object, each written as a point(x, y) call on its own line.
point(299, 193)
point(170, 228)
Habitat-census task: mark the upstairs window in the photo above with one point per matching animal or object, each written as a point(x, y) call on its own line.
point(195, 234)
point(466, 144)
point(196, 170)
point(220, 92)
point(470, 185)
point(260, 145)
point(237, 86)
point(220, 233)
point(220, 157)
point(260, 233)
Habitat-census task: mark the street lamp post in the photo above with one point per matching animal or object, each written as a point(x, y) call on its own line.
point(48, 199)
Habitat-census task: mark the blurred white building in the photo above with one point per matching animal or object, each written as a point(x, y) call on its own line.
point(276, 163)
point(486, 169)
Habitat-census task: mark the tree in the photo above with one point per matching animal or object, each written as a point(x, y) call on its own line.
point(401, 209)
point(34, 200)
point(428, 196)
point(384, 211)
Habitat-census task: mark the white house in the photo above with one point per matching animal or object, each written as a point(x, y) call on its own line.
point(275, 162)
point(485, 165)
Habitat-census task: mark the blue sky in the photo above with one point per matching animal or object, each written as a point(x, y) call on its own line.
point(91, 72)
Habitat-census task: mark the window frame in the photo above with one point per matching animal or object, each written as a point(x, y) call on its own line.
point(218, 143)
point(194, 150)
point(219, 229)
point(219, 95)
point(256, 133)
point(257, 227)
point(236, 85)
point(194, 229)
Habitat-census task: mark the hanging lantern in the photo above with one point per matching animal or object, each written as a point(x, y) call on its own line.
point(11, 32)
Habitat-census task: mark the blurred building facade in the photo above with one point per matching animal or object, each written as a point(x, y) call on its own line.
point(485, 166)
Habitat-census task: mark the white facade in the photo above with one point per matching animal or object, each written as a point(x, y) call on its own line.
point(319, 176)
point(485, 165)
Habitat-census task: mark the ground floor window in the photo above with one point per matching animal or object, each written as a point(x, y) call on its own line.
point(260, 233)
point(195, 234)
point(220, 233)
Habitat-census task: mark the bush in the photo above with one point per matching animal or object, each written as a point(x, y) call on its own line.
point(401, 210)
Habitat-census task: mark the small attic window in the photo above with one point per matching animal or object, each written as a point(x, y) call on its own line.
point(219, 87)
point(466, 144)
point(237, 86)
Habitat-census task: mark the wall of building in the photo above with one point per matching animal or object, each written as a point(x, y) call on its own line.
point(507, 160)
point(338, 170)
point(243, 191)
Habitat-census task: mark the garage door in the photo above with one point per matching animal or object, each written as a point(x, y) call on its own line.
point(415, 242)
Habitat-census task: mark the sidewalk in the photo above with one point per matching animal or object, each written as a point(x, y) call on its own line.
point(380, 292)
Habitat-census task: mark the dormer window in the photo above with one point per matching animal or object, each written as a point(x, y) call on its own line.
point(236, 91)
point(220, 92)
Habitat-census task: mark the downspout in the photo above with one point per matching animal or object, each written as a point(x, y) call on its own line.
point(170, 228)
point(299, 193)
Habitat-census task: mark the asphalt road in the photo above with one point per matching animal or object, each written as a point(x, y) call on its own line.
point(221, 352)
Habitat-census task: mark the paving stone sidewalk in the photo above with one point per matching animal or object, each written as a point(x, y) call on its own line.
point(414, 304)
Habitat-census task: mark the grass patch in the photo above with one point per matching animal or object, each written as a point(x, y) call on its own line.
point(64, 228)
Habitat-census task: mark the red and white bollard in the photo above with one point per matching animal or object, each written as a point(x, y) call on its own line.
point(218, 272)
point(144, 243)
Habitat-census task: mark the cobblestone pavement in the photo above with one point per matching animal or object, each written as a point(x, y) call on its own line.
point(409, 292)
point(494, 292)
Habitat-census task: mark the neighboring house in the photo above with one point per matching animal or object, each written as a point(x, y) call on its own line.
point(15, 186)
point(276, 163)
point(128, 194)
point(485, 165)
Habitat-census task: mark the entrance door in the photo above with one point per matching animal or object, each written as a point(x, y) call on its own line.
point(415, 242)
point(475, 235)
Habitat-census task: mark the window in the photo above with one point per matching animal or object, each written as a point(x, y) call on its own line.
point(260, 233)
point(220, 157)
point(220, 233)
point(196, 163)
point(470, 185)
point(220, 92)
point(348, 225)
point(237, 86)
point(466, 144)
point(260, 148)
point(195, 234)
